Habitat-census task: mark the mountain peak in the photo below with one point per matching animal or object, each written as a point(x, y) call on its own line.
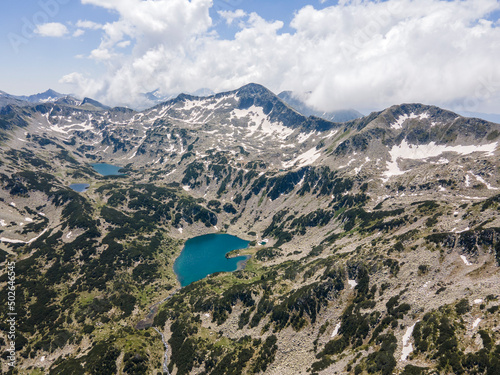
point(51, 93)
point(93, 103)
point(397, 115)
point(47, 96)
point(254, 89)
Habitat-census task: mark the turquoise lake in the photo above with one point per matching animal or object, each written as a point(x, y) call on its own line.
point(107, 169)
point(80, 188)
point(205, 255)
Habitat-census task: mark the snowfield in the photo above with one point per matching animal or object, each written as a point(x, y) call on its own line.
point(304, 159)
point(261, 123)
point(431, 150)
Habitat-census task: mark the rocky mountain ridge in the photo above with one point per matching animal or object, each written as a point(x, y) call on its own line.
point(382, 237)
point(21, 100)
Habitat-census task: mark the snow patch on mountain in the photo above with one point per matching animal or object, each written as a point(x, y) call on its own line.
point(407, 346)
point(483, 181)
point(464, 259)
point(336, 330)
point(352, 283)
point(401, 119)
point(8, 240)
point(304, 137)
point(331, 134)
point(306, 158)
point(261, 123)
point(209, 103)
point(422, 152)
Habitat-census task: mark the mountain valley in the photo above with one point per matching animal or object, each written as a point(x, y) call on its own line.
point(375, 242)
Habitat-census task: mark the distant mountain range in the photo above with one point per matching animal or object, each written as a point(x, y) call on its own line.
point(335, 116)
point(47, 96)
point(156, 97)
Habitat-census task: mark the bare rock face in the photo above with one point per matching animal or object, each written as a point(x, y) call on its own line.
point(375, 242)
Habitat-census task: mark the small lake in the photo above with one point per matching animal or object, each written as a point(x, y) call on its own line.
point(80, 188)
point(107, 169)
point(205, 255)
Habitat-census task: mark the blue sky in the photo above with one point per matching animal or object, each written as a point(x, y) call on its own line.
point(358, 54)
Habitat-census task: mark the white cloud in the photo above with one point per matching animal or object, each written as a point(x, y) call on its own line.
point(74, 78)
point(91, 87)
point(85, 24)
point(102, 54)
point(78, 32)
point(123, 44)
point(51, 29)
point(356, 54)
point(230, 16)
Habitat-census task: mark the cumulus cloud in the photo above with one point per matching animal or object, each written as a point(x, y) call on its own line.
point(78, 32)
point(51, 29)
point(85, 24)
point(357, 54)
point(230, 16)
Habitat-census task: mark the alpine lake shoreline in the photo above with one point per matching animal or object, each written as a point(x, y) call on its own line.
point(114, 171)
